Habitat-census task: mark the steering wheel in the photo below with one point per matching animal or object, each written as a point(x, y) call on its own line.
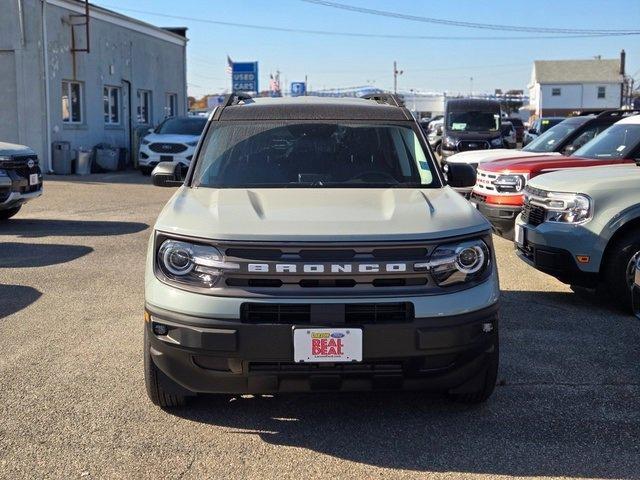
point(373, 175)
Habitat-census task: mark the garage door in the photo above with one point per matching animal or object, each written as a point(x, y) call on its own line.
point(8, 98)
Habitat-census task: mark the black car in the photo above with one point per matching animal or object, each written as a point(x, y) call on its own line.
point(572, 133)
point(20, 178)
point(471, 124)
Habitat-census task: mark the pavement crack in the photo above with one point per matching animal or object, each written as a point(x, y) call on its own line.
point(184, 472)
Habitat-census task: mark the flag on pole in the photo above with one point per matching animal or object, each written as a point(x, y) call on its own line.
point(229, 68)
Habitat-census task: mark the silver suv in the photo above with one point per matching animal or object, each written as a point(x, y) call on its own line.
point(315, 245)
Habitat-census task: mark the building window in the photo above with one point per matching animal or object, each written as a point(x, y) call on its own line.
point(556, 92)
point(171, 109)
point(602, 92)
point(144, 107)
point(71, 102)
point(111, 100)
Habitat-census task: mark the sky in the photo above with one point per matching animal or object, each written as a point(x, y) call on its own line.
point(443, 63)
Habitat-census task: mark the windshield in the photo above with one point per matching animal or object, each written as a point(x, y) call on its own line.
point(617, 141)
point(182, 126)
point(312, 154)
point(547, 123)
point(549, 140)
point(473, 121)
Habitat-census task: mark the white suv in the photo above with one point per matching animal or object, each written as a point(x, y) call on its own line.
point(174, 140)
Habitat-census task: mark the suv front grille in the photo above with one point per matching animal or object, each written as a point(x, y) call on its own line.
point(466, 145)
point(167, 147)
point(533, 214)
point(354, 313)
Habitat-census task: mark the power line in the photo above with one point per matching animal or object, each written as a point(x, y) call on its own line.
point(485, 26)
point(352, 34)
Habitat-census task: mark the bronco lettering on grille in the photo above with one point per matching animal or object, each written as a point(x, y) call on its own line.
point(326, 267)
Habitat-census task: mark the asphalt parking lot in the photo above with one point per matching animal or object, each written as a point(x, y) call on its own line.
point(73, 404)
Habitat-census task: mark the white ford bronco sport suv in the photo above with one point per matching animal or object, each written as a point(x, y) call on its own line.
point(314, 245)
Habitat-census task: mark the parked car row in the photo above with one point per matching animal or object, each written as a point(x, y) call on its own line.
point(579, 224)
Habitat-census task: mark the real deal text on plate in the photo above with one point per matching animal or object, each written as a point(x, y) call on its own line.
point(326, 345)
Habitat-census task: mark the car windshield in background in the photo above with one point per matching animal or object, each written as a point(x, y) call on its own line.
point(182, 126)
point(547, 123)
point(616, 141)
point(549, 140)
point(473, 121)
point(318, 155)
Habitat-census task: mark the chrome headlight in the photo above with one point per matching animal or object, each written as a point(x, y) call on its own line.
point(568, 207)
point(497, 142)
point(510, 183)
point(191, 264)
point(5, 158)
point(456, 263)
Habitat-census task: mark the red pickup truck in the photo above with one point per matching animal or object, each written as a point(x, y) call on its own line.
point(500, 184)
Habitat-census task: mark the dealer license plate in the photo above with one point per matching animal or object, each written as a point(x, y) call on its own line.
point(327, 345)
point(520, 235)
point(33, 179)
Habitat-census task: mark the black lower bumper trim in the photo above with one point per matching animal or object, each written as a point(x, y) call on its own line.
point(502, 217)
point(558, 263)
point(433, 354)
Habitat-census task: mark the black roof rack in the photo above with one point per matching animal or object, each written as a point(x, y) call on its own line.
point(230, 100)
point(385, 99)
point(618, 113)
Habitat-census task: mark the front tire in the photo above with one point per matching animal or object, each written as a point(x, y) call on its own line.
point(619, 268)
point(8, 213)
point(162, 391)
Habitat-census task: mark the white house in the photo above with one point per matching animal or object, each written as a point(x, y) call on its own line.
point(560, 87)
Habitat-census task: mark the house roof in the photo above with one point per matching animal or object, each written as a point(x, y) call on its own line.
point(577, 71)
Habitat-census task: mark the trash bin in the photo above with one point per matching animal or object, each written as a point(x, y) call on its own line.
point(83, 166)
point(108, 158)
point(61, 158)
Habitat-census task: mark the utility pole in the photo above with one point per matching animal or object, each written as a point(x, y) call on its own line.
point(470, 86)
point(396, 72)
point(306, 86)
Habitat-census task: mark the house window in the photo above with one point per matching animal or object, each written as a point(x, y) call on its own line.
point(602, 92)
point(171, 108)
point(556, 92)
point(71, 102)
point(111, 101)
point(144, 107)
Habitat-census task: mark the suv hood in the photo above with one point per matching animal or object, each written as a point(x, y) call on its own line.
point(317, 214)
point(15, 149)
point(482, 156)
point(611, 178)
point(542, 164)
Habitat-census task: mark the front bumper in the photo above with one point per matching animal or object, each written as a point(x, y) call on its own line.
point(502, 217)
point(440, 353)
point(15, 190)
point(553, 249)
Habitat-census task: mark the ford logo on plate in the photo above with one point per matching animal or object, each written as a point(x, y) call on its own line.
point(337, 335)
point(31, 163)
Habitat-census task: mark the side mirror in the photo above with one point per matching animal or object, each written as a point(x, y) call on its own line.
point(168, 174)
point(461, 175)
point(151, 130)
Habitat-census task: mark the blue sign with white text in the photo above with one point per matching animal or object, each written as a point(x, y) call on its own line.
point(244, 77)
point(298, 89)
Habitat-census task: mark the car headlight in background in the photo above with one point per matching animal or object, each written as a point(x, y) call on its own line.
point(457, 263)
point(3, 173)
point(145, 141)
point(191, 264)
point(448, 142)
point(510, 183)
point(192, 144)
point(568, 207)
point(497, 142)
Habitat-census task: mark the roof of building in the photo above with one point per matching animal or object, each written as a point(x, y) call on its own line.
point(313, 108)
point(577, 71)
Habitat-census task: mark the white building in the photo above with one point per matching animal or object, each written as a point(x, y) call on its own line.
point(560, 87)
point(82, 74)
